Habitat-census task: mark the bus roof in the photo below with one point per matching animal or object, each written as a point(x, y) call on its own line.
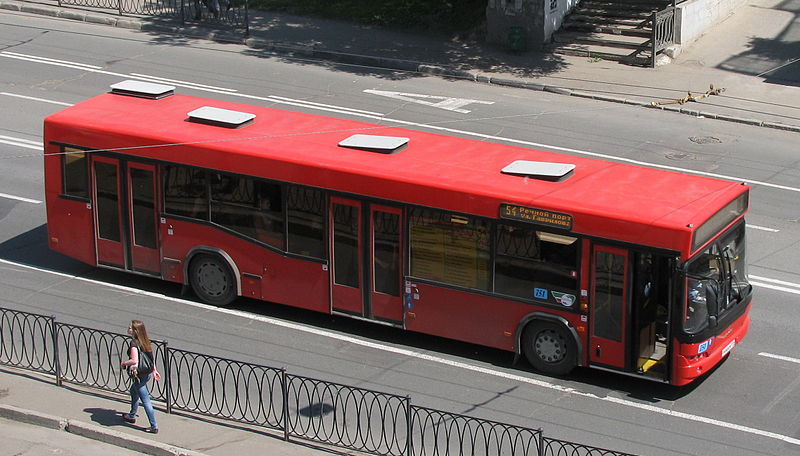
point(606, 199)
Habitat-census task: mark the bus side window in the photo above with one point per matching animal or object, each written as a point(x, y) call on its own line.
point(248, 206)
point(305, 210)
point(185, 191)
point(528, 262)
point(74, 173)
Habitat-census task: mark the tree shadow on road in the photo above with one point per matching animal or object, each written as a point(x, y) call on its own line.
point(358, 49)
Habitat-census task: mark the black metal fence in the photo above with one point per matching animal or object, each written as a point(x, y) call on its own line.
point(218, 13)
point(299, 407)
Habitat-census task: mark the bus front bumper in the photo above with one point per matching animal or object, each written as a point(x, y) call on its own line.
point(693, 360)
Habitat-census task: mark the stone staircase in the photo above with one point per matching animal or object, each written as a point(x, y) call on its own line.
point(618, 30)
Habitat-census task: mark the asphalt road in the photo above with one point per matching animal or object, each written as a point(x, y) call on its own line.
point(746, 407)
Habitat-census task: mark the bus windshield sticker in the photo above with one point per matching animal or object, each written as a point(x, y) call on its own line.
point(540, 293)
point(566, 300)
point(538, 216)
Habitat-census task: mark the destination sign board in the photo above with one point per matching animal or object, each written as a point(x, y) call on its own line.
point(537, 216)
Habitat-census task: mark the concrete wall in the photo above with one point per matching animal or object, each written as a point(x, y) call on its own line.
point(554, 15)
point(538, 19)
point(694, 17)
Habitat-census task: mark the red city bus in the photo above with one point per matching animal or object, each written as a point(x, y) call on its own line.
point(566, 260)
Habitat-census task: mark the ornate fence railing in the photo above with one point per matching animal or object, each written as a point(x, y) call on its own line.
point(300, 407)
point(220, 13)
point(663, 33)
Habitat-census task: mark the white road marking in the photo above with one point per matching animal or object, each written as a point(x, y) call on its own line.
point(426, 357)
point(19, 198)
point(780, 357)
point(53, 61)
point(19, 142)
point(184, 83)
point(448, 103)
point(90, 68)
point(779, 285)
point(312, 104)
point(35, 99)
point(762, 228)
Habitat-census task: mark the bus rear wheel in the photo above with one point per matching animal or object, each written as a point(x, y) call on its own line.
point(550, 348)
point(212, 280)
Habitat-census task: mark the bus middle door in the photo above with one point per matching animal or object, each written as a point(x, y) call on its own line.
point(366, 259)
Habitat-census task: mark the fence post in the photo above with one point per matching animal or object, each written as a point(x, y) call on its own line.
point(541, 442)
point(246, 19)
point(653, 40)
point(56, 358)
point(409, 427)
point(168, 376)
point(285, 397)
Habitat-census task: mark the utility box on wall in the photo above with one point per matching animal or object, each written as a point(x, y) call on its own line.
point(521, 25)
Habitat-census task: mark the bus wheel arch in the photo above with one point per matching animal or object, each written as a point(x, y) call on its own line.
point(549, 343)
point(213, 276)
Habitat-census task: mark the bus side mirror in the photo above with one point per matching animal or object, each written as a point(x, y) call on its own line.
point(712, 321)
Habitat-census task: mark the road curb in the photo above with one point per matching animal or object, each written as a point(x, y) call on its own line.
point(36, 418)
point(366, 60)
point(94, 432)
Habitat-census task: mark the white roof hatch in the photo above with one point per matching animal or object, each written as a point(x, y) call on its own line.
point(220, 117)
point(539, 170)
point(142, 89)
point(375, 143)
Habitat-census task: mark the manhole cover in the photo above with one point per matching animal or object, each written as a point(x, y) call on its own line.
point(704, 140)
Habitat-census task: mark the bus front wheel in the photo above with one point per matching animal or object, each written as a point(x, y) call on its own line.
point(212, 280)
point(550, 348)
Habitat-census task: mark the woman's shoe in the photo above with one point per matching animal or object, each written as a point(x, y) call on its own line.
point(151, 430)
point(127, 418)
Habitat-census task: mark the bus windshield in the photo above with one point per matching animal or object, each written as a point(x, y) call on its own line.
point(716, 280)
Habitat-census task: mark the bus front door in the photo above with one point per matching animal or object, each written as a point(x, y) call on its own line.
point(366, 259)
point(125, 215)
point(609, 307)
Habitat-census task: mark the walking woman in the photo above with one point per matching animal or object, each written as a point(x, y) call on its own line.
point(141, 366)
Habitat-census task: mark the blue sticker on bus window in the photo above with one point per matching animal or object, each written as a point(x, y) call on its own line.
point(540, 293)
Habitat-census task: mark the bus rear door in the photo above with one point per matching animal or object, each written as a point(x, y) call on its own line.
point(124, 200)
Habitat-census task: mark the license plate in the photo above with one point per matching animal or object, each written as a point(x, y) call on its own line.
point(728, 348)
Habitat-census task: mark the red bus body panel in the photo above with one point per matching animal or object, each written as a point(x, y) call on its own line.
point(284, 280)
point(70, 223)
point(470, 317)
point(610, 200)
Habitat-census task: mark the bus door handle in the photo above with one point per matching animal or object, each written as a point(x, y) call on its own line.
point(597, 351)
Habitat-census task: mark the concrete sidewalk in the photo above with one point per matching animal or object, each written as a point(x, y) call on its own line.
point(754, 55)
point(74, 420)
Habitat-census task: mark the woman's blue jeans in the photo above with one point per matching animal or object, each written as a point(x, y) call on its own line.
point(139, 392)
